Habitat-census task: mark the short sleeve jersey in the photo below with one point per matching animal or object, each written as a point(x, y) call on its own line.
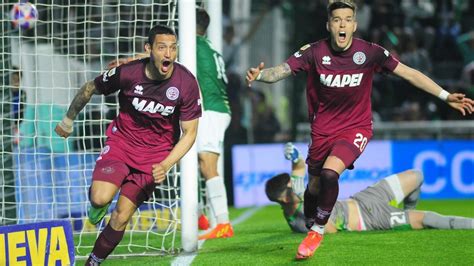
point(212, 77)
point(150, 111)
point(339, 84)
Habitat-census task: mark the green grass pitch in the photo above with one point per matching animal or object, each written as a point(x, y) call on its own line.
point(265, 239)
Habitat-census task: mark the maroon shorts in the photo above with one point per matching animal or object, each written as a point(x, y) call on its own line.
point(133, 184)
point(347, 146)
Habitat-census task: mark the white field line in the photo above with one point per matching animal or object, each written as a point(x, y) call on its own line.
point(187, 258)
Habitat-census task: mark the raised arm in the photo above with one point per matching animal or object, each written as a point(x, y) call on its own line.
point(457, 101)
point(269, 75)
point(83, 96)
point(185, 143)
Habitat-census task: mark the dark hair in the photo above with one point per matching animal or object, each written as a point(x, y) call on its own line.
point(202, 19)
point(333, 5)
point(159, 29)
point(276, 185)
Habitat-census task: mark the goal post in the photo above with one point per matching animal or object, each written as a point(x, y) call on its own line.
point(44, 177)
point(189, 179)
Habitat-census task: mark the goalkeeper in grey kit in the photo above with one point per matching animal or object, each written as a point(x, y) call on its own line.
point(378, 207)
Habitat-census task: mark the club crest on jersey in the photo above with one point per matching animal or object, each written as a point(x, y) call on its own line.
point(172, 93)
point(326, 60)
point(138, 89)
point(299, 53)
point(359, 58)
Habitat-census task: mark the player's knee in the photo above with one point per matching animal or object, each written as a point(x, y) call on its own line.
point(98, 199)
point(208, 170)
point(329, 177)
point(416, 219)
point(418, 176)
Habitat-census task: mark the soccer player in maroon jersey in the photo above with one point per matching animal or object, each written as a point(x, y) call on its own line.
point(339, 71)
point(157, 98)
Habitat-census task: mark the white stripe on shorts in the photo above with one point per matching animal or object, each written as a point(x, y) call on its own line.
point(396, 187)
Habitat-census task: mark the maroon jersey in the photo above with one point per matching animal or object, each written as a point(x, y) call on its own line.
point(339, 84)
point(147, 126)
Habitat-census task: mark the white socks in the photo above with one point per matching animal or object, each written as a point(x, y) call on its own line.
point(318, 228)
point(218, 198)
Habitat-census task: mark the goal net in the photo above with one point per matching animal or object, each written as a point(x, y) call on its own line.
point(42, 176)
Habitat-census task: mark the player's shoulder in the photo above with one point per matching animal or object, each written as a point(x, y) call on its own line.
point(321, 44)
point(183, 71)
point(307, 48)
point(366, 45)
point(135, 65)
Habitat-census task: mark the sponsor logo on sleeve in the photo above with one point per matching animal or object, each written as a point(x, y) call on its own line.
point(300, 52)
point(108, 74)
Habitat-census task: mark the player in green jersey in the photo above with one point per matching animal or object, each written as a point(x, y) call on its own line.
point(216, 117)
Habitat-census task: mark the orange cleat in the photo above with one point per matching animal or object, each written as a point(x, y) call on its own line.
point(309, 245)
point(203, 222)
point(220, 231)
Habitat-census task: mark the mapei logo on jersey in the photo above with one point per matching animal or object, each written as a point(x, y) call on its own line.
point(138, 89)
point(172, 93)
point(326, 60)
point(300, 52)
point(340, 81)
point(359, 58)
point(152, 107)
point(107, 74)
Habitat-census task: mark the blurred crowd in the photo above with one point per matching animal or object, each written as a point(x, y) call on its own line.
point(434, 36)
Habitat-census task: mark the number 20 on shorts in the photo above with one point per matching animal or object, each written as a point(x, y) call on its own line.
point(360, 141)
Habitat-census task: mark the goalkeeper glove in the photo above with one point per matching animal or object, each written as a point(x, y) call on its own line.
point(297, 184)
point(292, 153)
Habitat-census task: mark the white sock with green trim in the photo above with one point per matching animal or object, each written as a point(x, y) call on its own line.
point(218, 198)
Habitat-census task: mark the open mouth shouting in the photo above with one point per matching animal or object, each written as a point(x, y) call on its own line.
point(341, 37)
point(165, 66)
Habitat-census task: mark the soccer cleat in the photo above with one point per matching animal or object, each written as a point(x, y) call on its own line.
point(291, 152)
point(309, 245)
point(96, 214)
point(203, 222)
point(220, 231)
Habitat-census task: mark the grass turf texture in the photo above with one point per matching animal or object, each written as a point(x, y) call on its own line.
point(265, 239)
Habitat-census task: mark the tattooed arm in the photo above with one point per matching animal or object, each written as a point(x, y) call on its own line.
point(83, 96)
point(269, 75)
